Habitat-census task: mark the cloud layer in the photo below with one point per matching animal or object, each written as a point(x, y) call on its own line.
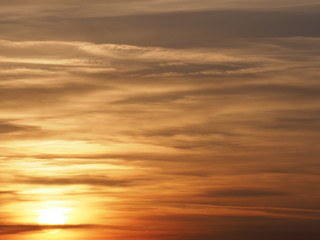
point(158, 120)
point(185, 130)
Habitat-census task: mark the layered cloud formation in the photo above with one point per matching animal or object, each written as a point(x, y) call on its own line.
point(158, 124)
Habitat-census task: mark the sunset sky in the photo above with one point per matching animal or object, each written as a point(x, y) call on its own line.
point(159, 120)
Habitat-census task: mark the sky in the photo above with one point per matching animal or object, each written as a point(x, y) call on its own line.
point(159, 119)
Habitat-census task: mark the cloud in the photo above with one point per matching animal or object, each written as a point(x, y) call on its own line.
point(8, 127)
point(7, 192)
point(98, 8)
point(189, 29)
point(160, 136)
point(111, 60)
point(245, 192)
point(205, 226)
point(23, 228)
point(270, 90)
point(37, 96)
point(80, 180)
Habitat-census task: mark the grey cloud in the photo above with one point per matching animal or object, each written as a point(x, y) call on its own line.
point(35, 96)
point(113, 63)
point(284, 230)
point(7, 192)
point(191, 173)
point(245, 192)
point(80, 180)
point(194, 69)
point(6, 229)
point(8, 127)
point(81, 8)
point(9, 229)
point(102, 158)
point(195, 29)
point(259, 90)
point(232, 227)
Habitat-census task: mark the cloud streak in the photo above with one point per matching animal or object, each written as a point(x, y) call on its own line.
point(23, 228)
point(161, 119)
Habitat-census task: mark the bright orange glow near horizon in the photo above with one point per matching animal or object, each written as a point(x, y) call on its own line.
point(159, 120)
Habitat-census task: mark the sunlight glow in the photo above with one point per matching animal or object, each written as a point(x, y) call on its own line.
point(52, 216)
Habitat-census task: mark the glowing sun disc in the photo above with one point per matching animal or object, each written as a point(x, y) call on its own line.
point(52, 217)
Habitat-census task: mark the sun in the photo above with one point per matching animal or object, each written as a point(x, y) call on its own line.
point(52, 216)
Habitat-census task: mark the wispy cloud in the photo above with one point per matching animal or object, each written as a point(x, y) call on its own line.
point(23, 228)
point(249, 192)
point(81, 8)
point(174, 139)
point(80, 180)
point(8, 127)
